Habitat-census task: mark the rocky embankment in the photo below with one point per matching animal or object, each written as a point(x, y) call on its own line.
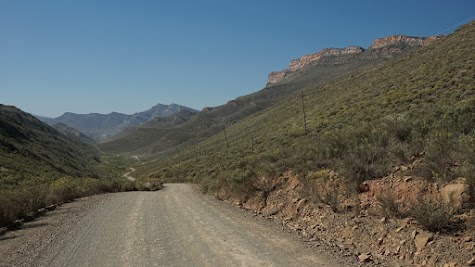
point(357, 226)
point(387, 47)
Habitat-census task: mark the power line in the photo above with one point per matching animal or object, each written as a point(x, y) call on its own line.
point(456, 25)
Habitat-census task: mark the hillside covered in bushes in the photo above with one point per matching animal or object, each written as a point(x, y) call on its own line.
point(40, 167)
point(418, 109)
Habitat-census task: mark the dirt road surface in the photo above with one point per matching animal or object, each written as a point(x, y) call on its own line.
point(176, 226)
point(127, 174)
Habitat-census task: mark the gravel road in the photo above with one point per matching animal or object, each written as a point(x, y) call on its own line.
point(176, 226)
point(127, 174)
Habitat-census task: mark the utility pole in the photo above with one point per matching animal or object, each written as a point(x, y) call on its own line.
point(282, 154)
point(252, 142)
point(304, 114)
point(226, 137)
point(179, 156)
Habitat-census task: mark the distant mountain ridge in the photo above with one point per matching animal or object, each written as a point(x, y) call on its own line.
point(102, 126)
point(73, 133)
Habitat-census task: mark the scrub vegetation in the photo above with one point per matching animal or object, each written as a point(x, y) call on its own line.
point(40, 167)
point(418, 110)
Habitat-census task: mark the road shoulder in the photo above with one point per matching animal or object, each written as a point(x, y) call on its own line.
point(23, 247)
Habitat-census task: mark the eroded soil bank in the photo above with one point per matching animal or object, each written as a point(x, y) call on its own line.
point(358, 228)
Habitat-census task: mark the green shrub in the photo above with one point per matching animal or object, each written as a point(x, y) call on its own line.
point(25, 198)
point(35, 197)
point(149, 184)
point(321, 186)
point(127, 186)
point(330, 196)
point(439, 149)
point(367, 154)
point(389, 206)
point(433, 215)
point(11, 207)
point(18, 203)
point(63, 189)
point(467, 160)
point(409, 111)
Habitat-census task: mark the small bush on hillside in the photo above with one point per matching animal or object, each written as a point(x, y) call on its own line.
point(10, 207)
point(210, 185)
point(331, 196)
point(20, 201)
point(149, 184)
point(333, 145)
point(389, 206)
point(313, 183)
point(127, 186)
point(433, 215)
point(467, 159)
point(401, 129)
point(439, 149)
point(240, 180)
point(470, 178)
point(35, 197)
point(367, 155)
point(321, 185)
point(63, 189)
point(405, 140)
point(462, 119)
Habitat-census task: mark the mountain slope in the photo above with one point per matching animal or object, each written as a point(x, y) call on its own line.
point(312, 70)
point(415, 110)
point(171, 120)
point(390, 142)
point(41, 167)
point(30, 148)
point(72, 133)
point(103, 126)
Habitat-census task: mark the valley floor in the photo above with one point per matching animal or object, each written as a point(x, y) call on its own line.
point(176, 226)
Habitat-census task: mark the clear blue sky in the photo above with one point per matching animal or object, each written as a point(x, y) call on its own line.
point(126, 56)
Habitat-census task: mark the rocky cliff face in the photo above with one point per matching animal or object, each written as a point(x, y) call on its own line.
point(298, 64)
point(387, 47)
point(402, 40)
point(277, 76)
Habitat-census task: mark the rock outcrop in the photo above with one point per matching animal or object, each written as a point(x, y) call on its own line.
point(386, 47)
point(277, 76)
point(399, 40)
point(298, 64)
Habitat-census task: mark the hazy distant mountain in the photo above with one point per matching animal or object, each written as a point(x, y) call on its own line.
point(102, 126)
point(175, 119)
point(73, 133)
